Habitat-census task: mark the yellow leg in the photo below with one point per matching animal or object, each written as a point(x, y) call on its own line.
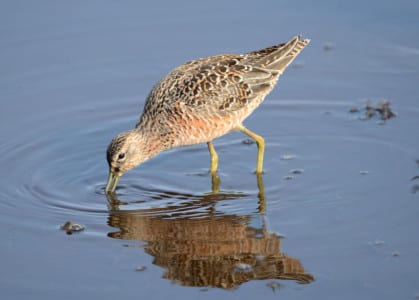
point(261, 147)
point(214, 158)
point(261, 194)
point(215, 183)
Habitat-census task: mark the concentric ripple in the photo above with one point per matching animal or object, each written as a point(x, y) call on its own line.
point(56, 166)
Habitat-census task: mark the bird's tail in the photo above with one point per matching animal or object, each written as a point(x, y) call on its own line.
point(280, 56)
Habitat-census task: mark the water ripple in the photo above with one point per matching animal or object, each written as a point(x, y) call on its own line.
point(61, 167)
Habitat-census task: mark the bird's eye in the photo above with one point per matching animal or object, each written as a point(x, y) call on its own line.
point(121, 156)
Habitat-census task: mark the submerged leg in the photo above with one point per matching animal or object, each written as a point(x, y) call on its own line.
point(214, 158)
point(215, 183)
point(213, 169)
point(261, 194)
point(261, 147)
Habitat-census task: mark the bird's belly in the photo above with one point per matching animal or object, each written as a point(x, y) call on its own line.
point(194, 129)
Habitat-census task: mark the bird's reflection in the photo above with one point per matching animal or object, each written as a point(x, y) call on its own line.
point(210, 248)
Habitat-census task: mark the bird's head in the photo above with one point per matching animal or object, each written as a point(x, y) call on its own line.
point(124, 153)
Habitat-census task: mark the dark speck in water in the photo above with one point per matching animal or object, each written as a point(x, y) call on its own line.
point(395, 254)
point(296, 171)
point(248, 142)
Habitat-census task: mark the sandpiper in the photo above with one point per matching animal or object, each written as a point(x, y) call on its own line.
point(199, 101)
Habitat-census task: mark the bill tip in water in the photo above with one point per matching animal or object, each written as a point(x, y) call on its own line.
point(113, 179)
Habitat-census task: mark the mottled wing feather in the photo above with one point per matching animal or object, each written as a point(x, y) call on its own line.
point(210, 85)
point(226, 84)
point(221, 84)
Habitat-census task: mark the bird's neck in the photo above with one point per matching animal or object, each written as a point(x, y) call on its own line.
point(149, 143)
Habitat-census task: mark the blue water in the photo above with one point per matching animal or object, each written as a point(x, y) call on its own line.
point(75, 73)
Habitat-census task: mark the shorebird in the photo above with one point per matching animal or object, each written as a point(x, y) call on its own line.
point(199, 101)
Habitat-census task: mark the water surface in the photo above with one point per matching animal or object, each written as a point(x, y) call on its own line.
point(333, 216)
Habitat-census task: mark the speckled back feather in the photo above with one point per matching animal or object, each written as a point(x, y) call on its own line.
point(204, 91)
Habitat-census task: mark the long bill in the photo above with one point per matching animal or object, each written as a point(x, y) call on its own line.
point(113, 179)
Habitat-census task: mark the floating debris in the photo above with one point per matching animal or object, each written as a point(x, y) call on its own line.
point(363, 172)
point(296, 171)
point(382, 109)
point(274, 285)
point(288, 177)
point(395, 254)
point(71, 227)
point(140, 268)
point(385, 111)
